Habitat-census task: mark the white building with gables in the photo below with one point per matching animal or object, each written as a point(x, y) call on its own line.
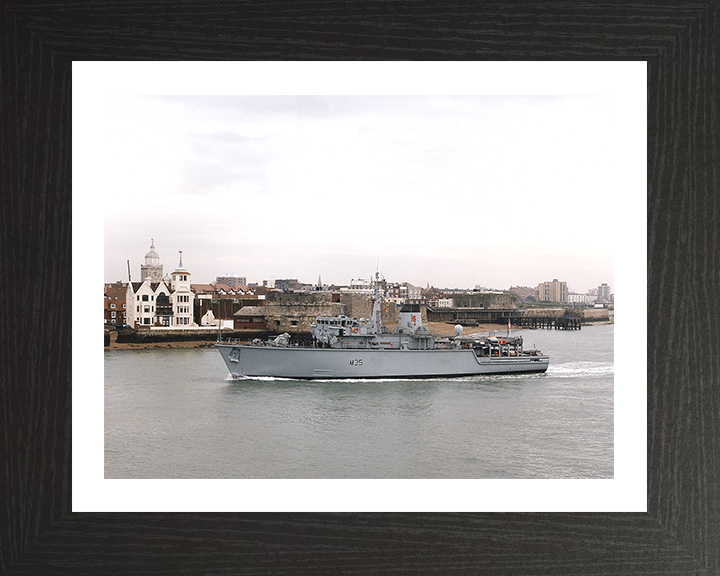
point(167, 302)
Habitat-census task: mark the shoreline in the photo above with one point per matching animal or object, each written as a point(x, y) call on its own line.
point(441, 328)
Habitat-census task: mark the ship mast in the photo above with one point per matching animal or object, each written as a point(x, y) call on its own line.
point(376, 317)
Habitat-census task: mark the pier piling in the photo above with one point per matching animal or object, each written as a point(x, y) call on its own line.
point(560, 323)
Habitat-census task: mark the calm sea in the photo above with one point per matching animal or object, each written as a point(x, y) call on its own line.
point(174, 413)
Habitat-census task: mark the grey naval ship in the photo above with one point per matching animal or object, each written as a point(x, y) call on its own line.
point(345, 347)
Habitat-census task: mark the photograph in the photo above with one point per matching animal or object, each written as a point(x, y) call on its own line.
point(380, 287)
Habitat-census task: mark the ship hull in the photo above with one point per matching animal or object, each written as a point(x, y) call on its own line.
point(331, 363)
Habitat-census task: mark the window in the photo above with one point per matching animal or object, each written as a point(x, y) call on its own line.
point(147, 309)
point(145, 298)
point(112, 305)
point(146, 320)
point(112, 314)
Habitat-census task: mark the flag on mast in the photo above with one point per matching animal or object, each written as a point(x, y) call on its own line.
point(508, 326)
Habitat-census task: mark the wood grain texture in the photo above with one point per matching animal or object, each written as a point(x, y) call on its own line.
point(680, 532)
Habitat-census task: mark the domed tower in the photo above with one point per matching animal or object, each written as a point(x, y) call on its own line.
point(152, 268)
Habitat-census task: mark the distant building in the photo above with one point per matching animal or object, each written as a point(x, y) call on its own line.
point(397, 293)
point(415, 295)
point(603, 293)
point(288, 284)
point(214, 291)
point(574, 298)
point(357, 286)
point(440, 302)
point(554, 291)
point(231, 280)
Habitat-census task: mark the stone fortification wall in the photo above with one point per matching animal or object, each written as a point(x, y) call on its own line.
point(479, 300)
point(544, 312)
point(596, 315)
point(293, 312)
point(586, 314)
point(355, 305)
point(132, 336)
point(358, 306)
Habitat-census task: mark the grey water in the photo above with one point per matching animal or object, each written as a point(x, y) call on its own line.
point(175, 413)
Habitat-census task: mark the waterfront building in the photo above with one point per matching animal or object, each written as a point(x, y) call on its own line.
point(166, 302)
point(115, 310)
point(554, 291)
point(250, 318)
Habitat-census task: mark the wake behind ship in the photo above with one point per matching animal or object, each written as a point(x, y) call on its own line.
point(345, 347)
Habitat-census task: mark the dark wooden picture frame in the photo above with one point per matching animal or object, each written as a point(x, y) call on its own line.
point(38, 531)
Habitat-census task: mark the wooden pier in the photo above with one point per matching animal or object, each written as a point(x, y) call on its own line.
point(517, 318)
point(559, 323)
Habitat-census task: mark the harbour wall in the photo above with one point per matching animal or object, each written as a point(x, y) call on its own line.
point(595, 315)
point(130, 336)
point(474, 316)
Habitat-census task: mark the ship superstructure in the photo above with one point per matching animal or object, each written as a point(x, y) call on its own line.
point(345, 347)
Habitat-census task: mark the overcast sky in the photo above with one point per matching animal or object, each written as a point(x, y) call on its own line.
point(447, 191)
